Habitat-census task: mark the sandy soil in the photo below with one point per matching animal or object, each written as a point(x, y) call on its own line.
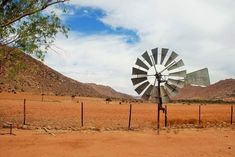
point(184, 143)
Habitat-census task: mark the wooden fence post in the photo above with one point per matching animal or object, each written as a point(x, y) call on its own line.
point(231, 114)
point(199, 115)
point(82, 114)
point(10, 129)
point(166, 116)
point(42, 97)
point(24, 112)
point(129, 122)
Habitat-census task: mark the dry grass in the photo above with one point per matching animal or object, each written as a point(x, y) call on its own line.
point(64, 113)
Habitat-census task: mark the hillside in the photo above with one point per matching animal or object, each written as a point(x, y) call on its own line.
point(22, 73)
point(108, 91)
point(222, 90)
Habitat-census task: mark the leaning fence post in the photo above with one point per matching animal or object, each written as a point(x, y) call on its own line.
point(231, 114)
point(82, 114)
point(199, 115)
point(24, 112)
point(129, 122)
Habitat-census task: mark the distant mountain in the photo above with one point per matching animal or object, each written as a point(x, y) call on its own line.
point(108, 91)
point(22, 73)
point(222, 90)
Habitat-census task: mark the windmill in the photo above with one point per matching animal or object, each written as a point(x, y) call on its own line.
point(157, 76)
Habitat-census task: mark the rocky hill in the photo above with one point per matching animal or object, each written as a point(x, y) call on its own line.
point(222, 90)
point(108, 91)
point(22, 73)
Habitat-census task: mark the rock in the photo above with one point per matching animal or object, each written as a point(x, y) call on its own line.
point(94, 129)
point(47, 131)
point(31, 128)
point(49, 127)
point(108, 129)
point(57, 128)
point(24, 127)
point(5, 125)
point(74, 129)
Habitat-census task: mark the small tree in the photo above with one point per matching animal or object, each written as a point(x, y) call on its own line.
point(25, 25)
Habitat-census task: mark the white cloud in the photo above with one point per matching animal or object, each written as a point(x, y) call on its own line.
point(201, 31)
point(100, 59)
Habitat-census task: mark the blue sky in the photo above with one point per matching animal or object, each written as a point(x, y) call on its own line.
point(86, 20)
point(107, 36)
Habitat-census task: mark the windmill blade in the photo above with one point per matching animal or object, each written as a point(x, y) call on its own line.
point(154, 92)
point(163, 54)
point(147, 58)
point(178, 64)
point(147, 93)
point(163, 91)
point(142, 87)
point(155, 54)
point(141, 64)
point(154, 95)
point(171, 89)
point(178, 74)
point(165, 97)
point(138, 80)
point(178, 83)
point(136, 71)
point(171, 58)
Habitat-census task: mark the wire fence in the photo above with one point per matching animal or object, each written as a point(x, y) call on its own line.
point(67, 113)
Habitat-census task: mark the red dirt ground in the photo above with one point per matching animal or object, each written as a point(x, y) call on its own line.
point(184, 143)
point(61, 115)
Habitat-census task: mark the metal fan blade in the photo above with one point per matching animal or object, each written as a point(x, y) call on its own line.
point(147, 93)
point(171, 58)
point(154, 95)
point(172, 90)
point(155, 54)
point(178, 74)
point(163, 55)
point(141, 64)
point(178, 83)
point(180, 63)
point(138, 80)
point(165, 97)
point(136, 71)
point(142, 87)
point(147, 58)
point(163, 91)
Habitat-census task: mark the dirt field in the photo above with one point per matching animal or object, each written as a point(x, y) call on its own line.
point(184, 143)
point(54, 129)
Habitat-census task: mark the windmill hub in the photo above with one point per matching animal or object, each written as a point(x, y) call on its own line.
point(152, 74)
